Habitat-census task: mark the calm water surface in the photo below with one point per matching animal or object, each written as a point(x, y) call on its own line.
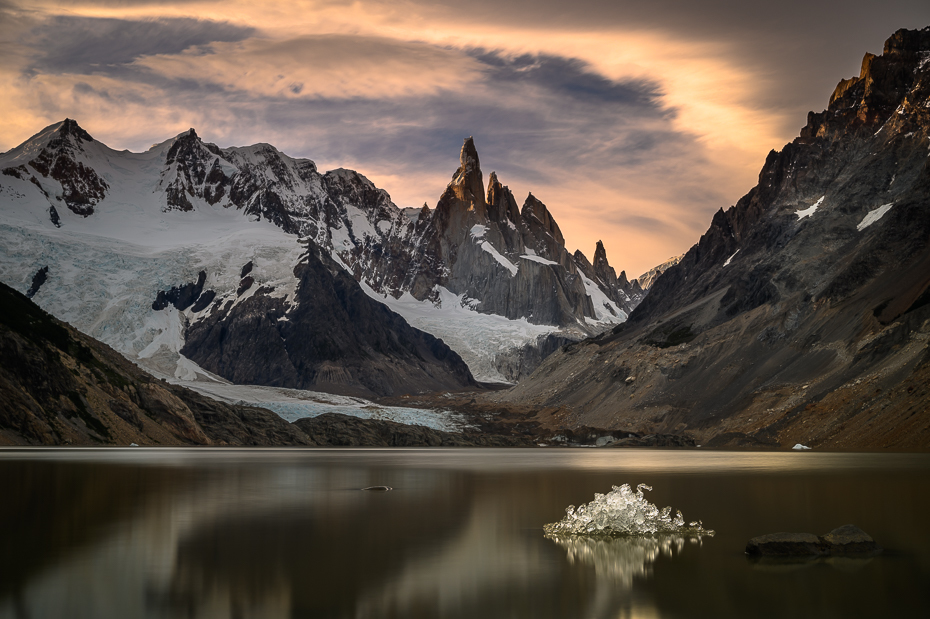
point(129, 533)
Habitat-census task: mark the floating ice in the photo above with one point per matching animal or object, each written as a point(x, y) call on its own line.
point(623, 512)
point(800, 447)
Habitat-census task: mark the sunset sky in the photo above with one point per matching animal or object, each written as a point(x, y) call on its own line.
point(632, 121)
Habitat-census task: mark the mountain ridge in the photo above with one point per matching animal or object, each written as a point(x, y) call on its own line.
point(807, 296)
point(479, 252)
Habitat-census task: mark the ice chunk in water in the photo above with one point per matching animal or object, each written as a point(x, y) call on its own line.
point(623, 512)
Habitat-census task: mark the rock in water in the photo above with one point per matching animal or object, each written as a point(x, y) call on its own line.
point(843, 541)
point(850, 540)
point(785, 545)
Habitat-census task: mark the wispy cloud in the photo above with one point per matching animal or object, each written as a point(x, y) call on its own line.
point(633, 121)
point(76, 44)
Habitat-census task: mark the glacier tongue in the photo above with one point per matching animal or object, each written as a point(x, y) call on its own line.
point(478, 338)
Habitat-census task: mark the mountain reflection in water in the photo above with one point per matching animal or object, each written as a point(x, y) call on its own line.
point(290, 533)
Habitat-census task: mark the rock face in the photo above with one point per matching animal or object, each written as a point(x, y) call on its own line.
point(511, 260)
point(330, 336)
point(847, 540)
point(803, 313)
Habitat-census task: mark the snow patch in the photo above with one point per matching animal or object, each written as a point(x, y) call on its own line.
point(727, 263)
point(809, 211)
point(478, 231)
point(605, 310)
point(507, 264)
point(873, 216)
point(533, 257)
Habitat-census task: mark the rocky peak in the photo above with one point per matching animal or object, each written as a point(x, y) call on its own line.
point(532, 210)
point(583, 264)
point(882, 86)
point(57, 153)
point(908, 41)
point(602, 269)
point(183, 145)
point(600, 254)
point(197, 165)
point(70, 129)
point(501, 203)
point(494, 188)
point(467, 183)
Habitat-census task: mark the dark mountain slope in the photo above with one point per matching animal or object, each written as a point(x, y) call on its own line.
point(330, 337)
point(803, 313)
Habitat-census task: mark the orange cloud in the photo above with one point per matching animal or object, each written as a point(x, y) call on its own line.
point(323, 50)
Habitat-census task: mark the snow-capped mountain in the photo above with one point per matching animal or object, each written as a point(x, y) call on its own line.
point(803, 313)
point(143, 249)
point(647, 279)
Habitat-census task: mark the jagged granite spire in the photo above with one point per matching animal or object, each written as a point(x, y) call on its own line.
point(501, 204)
point(533, 208)
point(467, 182)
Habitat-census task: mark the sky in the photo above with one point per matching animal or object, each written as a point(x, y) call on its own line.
point(633, 121)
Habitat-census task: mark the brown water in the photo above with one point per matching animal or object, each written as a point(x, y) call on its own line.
point(288, 533)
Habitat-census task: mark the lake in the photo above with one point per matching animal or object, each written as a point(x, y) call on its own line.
point(148, 532)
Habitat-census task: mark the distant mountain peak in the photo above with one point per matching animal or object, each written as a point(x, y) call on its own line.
point(69, 128)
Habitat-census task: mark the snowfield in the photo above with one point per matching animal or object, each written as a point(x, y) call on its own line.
point(477, 338)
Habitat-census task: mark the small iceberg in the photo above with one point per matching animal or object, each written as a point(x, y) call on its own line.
point(800, 447)
point(623, 512)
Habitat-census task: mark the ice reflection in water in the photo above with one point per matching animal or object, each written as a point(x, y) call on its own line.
point(620, 534)
point(621, 559)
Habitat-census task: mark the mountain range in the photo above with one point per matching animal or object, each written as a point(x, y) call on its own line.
point(800, 317)
point(191, 260)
